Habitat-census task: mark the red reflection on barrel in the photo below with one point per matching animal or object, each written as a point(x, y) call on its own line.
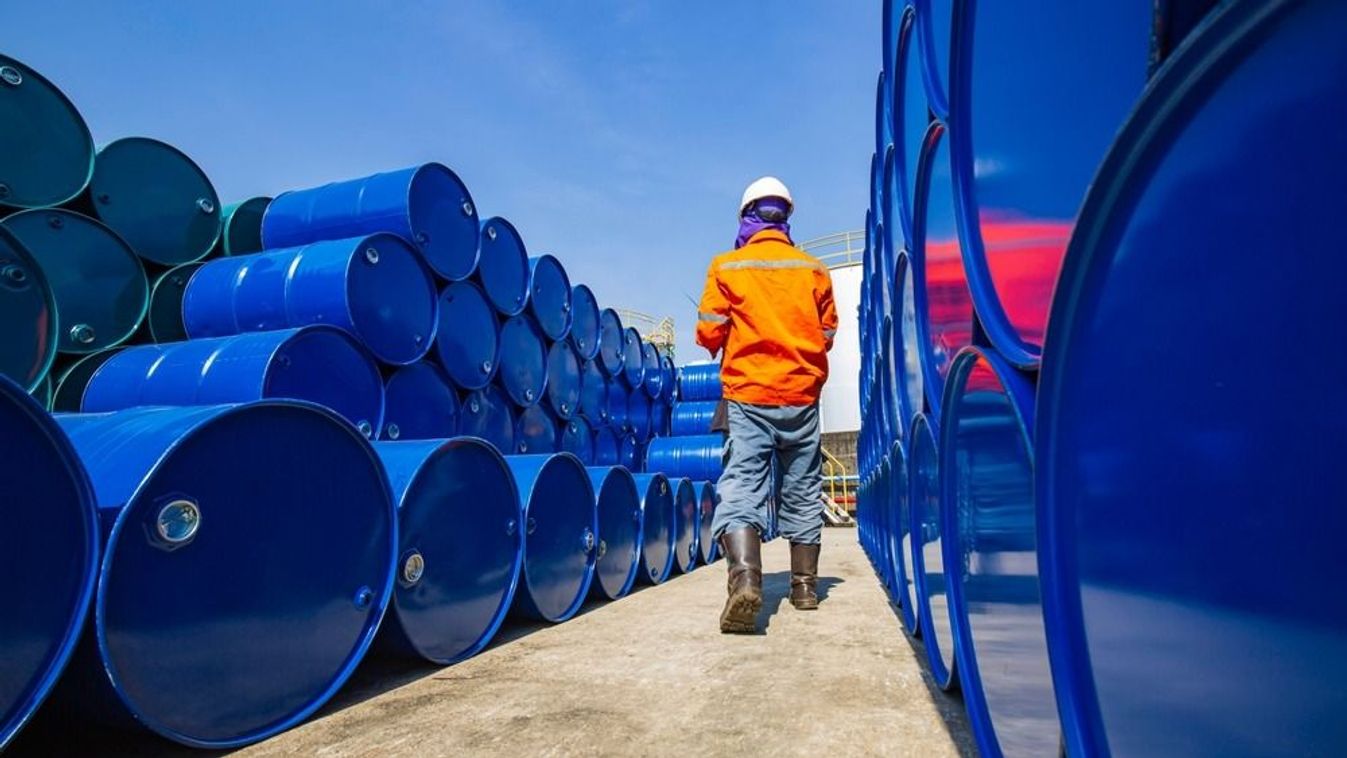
point(1024, 256)
point(948, 302)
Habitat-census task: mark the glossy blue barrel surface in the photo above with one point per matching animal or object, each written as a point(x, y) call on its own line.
point(584, 334)
point(488, 413)
point(687, 512)
point(523, 360)
point(374, 287)
point(638, 414)
point(163, 319)
point(503, 271)
point(612, 344)
point(563, 379)
point(467, 341)
point(428, 206)
point(241, 227)
point(633, 359)
point(697, 457)
point(576, 437)
point(550, 296)
point(699, 381)
point(910, 381)
point(560, 518)
point(654, 374)
point(934, 28)
point(68, 391)
point(911, 118)
point(48, 554)
point(890, 241)
point(536, 431)
point(28, 322)
point(593, 394)
point(657, 527)
point(659, 417)
point(669, 378)
point(616, 405)
point(694, 417)
point(607, 450)
point(460, 548)
point(706, 506)
point(1181, 531)
point(630, 452)
point(619, 513)
point(315, 503)
point(420, 403)
point(927, 558)
point(900, 535)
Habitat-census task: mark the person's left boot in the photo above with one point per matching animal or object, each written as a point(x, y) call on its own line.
point(804, 577)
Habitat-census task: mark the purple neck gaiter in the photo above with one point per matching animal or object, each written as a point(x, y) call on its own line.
point(750, 225)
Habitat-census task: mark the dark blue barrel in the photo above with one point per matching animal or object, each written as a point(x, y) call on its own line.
point(638, 414)
point(657, 527)
point(503, 270)
point(616, 405)
point(699, 381)
point(911, 387)
point(934, 24)
point(426, 205)
point(317, 363)
point(697, 457)
point(374, 287)
point(889, 246)
point(68, 391)
point(28, 325)
point(619, 551)
point(563, 379)
point(577, 438)
point(687, 509)
point(550, 296)
point(523, 360)
point(201, 495)
point(467, 343)
point(488, 413)
point(654, 375)
point(607, 450)
point(593, 394)
point(241, 227)
point(883, 123)
point(1181, 531)
point(883, 515)
point(48, 554)
point(659, 417)
point(633, 359)
point(629, 452)
point(584, 334)
point(561, 525)
point(669, 380)
point(690, 418)
point(420, 403)
point(900, 536)
point(460, 548)
point(612, 345)
point(911, 118)
point(890, 381)
point(536, 431)
point(1016, 74)
point(706, 505)
point(49, 154)
point(164, 317)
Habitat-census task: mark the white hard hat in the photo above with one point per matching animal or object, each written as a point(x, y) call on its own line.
point(767, 186)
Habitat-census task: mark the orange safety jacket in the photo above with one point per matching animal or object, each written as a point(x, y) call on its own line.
point(769, 307)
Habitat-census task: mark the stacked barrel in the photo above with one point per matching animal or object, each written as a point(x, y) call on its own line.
point(1096, 417)
point(353, 418)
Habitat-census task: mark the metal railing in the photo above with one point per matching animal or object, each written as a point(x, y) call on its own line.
point(835, 472)
point(837, 250)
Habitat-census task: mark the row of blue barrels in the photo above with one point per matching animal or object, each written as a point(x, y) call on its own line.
point(1110, 509)
point(362, 546)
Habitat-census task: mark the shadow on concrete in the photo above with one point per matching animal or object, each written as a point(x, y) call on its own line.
point(776, 590)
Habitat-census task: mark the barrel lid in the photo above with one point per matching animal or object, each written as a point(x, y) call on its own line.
point(686, 511)
point(241, 227)
point(584, 334)
point(503, 266)
point(560, 533)
point(467, 344)
point(48, 155)
point(394, 304)
point(165, 312)
point(28, 321)
point(550, 296)
point(619, 512)
point(612, 342)
point(443, 220)
point(657, 527)
point(563, 379)
point(523, 359)
point(487, 413)
point(420, 404)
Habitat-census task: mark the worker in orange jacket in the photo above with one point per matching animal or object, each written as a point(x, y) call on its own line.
point(768, 308)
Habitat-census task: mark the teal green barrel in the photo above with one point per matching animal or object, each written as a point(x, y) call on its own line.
point(48, 154)
point(71, 381)
point(241, 227)
point(164, 320)
point(27, 316)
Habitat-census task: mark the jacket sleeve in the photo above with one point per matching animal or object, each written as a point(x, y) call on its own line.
point(713, 315)
point(827, 311)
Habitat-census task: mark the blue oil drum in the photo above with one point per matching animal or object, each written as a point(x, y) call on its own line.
point(619, 511)
point(699, 381)
point(173, 504)
point(487, 413)
point(428, 206)
point(606, 447)
point(687, 511)
point(503, 270)
point(241, 228)
point(911, 119)
point(48, 554)
point(899, 520)
point(883, 120)
point(883, 543)
point(164, 317)
point(563, 379)
point(420, 403)
point(97, 280)
point(28, 326)
point(374, 287)
point(657, 527)
point(1181, 531)
point(550, 296)
point(706, 506)
point(944, 306)
point(319, 364)
point(934, 29)
point(584, 334)
point(633, 358)
point(987, 504)
point(890, 242)
point(887, 401)
point(659, 417)
point(593, 394)
point(911, 387)
point(68, 389)
point(523, 360)
point(49, 153)
point(1016, 74)
point(460, 548)
point(629, 452)
point(616, 404)
point(638, 414)
point(669, 380)
point(467, 343)
point(536, 431)
point(654, 375)
point(577, 438)
point(612, 344)
point(697, 457)
point(561, 525)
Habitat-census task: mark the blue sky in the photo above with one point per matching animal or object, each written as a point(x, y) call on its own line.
point(615, 135)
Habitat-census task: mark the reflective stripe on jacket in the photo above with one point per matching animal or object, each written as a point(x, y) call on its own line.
point(769, 307)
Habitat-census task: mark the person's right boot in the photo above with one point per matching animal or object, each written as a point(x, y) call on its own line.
point(743, 556)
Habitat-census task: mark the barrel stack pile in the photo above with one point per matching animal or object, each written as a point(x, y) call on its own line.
point(1082, 217)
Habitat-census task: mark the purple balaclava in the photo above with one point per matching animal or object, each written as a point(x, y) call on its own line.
point(767, 213)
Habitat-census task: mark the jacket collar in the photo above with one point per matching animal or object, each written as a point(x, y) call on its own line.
point(768, 234)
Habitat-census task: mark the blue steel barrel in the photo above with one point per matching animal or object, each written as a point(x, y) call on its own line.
point(616, 405)
point(612, 344)
point(535, 431)
point(460, 548)
point(577, 438)
point(467, 343)
point(28, 326)
point(607, 448)
point(49, 153)
point(883, 515)
point(633, 360)
point(584, 334)
point(883, 138)
point(1180, 530)
point(487, 413)
point(911, 119)
point(619, 513)
point(550, 296)
point(198, 495)
point(48, 554)
point(987, 504)
point(523, 360)
point(888, 245)
point(928, 564)
point(900, 537)
point(428, 206)
point(241, 227)
point(697, 457)
point(891, 380)
point(654, 374)
point(687, 509)
point(911, 389)
point(420, 403)
point(669, 378)
point(629, 452)
point(503, 270)
point(319, 364)
point(657, 527)
point(638, 414)
point(593, 394)
point(563, 379)
point(374, 287)
point(699, 381)
point(68, 391)
point(561, 524)
point(164, 317)
point(659, 418)
point(1016, 74)
point(934, 25)
point(97, 280)
point(706, 505)
point(689, 418)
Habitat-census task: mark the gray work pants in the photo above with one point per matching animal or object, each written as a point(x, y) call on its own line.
point(757, 432)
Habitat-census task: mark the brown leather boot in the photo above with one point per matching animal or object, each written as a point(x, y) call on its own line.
point(804, 577)
point(743, 556)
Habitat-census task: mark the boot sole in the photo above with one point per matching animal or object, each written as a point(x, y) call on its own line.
point(805, 605)
point(741, 614)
